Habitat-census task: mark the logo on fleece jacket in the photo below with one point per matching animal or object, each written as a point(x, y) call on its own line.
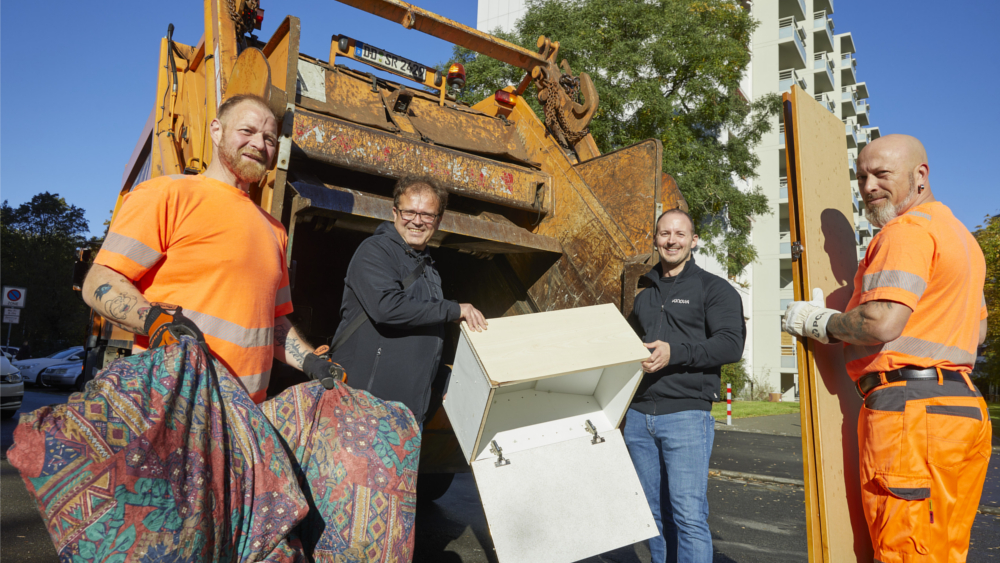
point(682, 301)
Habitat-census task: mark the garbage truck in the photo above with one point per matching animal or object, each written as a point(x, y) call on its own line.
point(538, 219)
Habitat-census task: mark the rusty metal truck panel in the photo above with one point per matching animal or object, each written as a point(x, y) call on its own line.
point(364, 212)
point(348, 145)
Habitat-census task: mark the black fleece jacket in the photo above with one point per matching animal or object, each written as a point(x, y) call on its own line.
point(701, 316)
point(394, 357)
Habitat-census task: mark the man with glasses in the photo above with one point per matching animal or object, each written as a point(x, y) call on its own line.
point(392, 315)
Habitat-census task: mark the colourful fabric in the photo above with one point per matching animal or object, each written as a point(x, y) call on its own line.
point(358, 456)
point(175, 236)
point(927, 260)
point(162, 459)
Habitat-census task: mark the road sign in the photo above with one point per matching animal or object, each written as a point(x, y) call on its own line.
point(12, 316)
point(13, 296)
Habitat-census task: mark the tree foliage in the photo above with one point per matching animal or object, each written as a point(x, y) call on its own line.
point(736, 375)
point(38, 240)
point(664, 69)
point(989, 240)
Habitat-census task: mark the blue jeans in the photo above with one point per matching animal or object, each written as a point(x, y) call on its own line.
point(670, 453)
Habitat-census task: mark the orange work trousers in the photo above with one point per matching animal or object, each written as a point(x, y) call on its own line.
point(924, 449)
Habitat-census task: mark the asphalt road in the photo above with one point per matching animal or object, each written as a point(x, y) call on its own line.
point(750, 521)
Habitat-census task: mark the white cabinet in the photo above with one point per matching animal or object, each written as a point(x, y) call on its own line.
point(535, 402)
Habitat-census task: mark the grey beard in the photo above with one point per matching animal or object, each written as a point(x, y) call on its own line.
point(886, 212)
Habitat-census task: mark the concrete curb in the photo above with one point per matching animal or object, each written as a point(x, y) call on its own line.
point(724, 474)
point(754, 477)
point(725, 428)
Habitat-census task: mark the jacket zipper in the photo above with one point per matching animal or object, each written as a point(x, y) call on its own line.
point(659, 326)
point(371, 380)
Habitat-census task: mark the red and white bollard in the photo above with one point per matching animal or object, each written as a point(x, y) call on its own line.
point(729, 404)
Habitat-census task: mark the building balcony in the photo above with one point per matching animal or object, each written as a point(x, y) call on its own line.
point(852, 166)
point(873, 133)
point(848, 69)
point(864, 228)
point(851, 129)
point(846, 41)
point(825, 5)
point(791, 44)
point(861, 110)
point(848, 101)
point(822, 32)
point(788, 77)
point(857, 202)
point(823, 73)
point(789, 361)
point(785, 244)
point(792, 8)
point(783, 190)
point(863, 138)
point(861, 89)
point(826, 101)
point(781, 135)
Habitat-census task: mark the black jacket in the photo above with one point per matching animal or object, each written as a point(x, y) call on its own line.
point(394, 357)
point(701, 316)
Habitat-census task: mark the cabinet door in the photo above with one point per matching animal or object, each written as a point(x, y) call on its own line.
point(563, 502)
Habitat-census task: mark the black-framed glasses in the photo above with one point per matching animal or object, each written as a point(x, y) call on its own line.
point(409, 215)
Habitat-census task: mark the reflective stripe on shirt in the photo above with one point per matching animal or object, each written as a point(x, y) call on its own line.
point(231, 332)
point(132, 249)
point(895, 278)
point(913, 347)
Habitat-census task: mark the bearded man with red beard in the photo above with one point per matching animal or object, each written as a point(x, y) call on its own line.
point(201, 244)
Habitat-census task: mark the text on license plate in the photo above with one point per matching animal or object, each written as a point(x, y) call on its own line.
point(388, 61)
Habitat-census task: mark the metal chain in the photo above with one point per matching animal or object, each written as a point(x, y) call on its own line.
point(240, 23)
point(554, 117)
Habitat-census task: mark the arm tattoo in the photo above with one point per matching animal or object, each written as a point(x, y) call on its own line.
point(119, 307)
point(100, 291)
point(296, 351)
point(850, 326)
point(280, 336)
point(143, 313)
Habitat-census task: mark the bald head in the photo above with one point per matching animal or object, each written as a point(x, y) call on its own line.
point(901, 149)
point(893, 177)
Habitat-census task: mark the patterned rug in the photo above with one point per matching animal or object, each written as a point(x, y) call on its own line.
point(164, 458)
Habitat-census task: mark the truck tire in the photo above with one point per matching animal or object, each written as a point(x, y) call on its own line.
point(432, 486)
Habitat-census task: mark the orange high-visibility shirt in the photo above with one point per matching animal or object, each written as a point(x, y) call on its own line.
point(927, 260)
point(206, 246)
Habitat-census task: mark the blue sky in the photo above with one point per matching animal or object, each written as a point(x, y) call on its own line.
point(79, 81)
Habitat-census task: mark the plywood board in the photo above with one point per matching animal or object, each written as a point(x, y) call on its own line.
point(564, 502)
point(821, 220)
point(541, 345)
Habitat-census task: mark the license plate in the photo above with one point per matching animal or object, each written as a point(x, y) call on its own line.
point(388, 61)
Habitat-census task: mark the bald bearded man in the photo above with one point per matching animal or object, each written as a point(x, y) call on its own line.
point(910, 335)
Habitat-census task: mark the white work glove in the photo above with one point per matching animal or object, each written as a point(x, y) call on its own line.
point(808, 318)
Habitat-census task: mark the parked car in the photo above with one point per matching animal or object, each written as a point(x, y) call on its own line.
point(67, 374)
point(9, 351)
point(31, 368)
point(11, 389)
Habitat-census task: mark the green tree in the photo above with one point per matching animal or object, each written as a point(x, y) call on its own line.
point(38, 240)
point(735, 374)
point(665, 69)
point(989, 240)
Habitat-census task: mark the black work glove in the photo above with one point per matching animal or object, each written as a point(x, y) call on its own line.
point(166, 324)
point(322, 368)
